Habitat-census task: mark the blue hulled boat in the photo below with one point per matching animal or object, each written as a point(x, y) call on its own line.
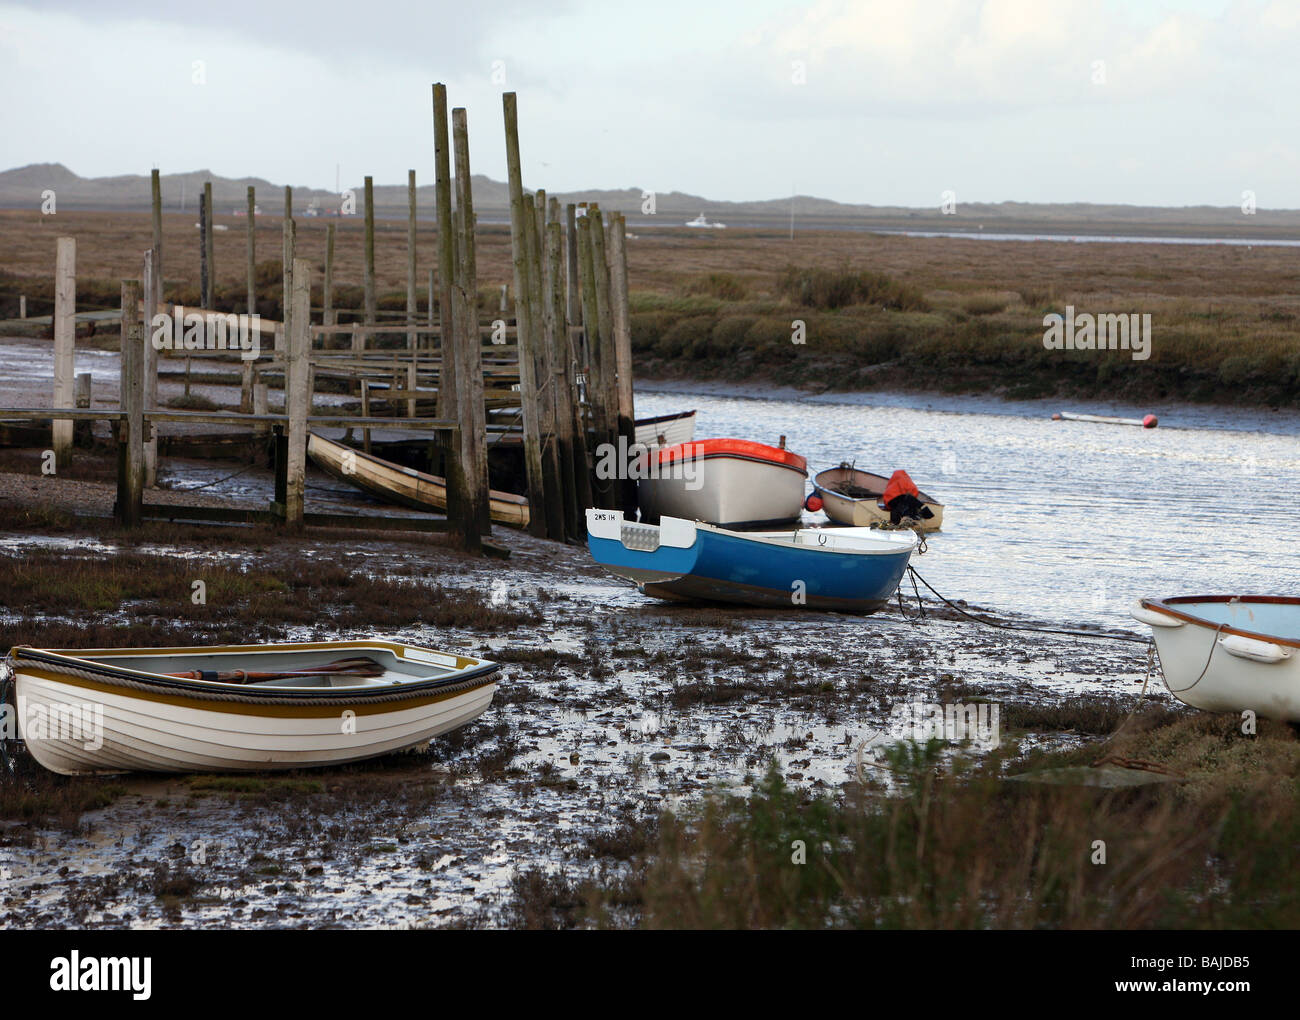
point(850, 569)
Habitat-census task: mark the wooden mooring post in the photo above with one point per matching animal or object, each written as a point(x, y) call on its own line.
point(204, 295)
point(129, 509)
point(471, 440)
point(370, 252)
point(155, 186)
point(252, 250)
point(622, 343)
point(297, 393)
point(210, 247)
point(412, 299)
point(521, 213)
point(65, 325)
point(149, 283)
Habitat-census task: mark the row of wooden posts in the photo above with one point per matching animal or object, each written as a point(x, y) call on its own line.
point(572, 332)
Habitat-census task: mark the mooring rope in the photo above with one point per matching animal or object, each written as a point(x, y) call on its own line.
point(1021, 627)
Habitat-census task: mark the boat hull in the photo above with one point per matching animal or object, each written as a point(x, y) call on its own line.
point(681, 560)
point(672, 428)
point(402, 485)
point(867, 512)
point(730, 483)
point(81, 713)
point(1221, 655)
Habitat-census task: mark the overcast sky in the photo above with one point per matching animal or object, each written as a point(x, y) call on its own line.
point(1183, 102)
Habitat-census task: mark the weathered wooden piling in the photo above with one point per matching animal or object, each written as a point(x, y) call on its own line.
point(286, 287)
point(603, 489)
point(204, 229)
point(562, 380)
point(84, 430)
point(447, 395)
point(252, 250)
point(620, 314)
point(65, 311)
point(297, 395)
point(573, 300)
point(370, 252)
point(412, 299)
point(604, 353)
point(22, 306)
point(130, 485)
point(520, 214)
point(148, 282)
point(471, 445)
point(210, 247)
point(328, 315)
point(544, 326)
point(155, 187)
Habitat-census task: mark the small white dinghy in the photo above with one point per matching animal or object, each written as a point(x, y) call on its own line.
point(1229, 653)
point(240, 708)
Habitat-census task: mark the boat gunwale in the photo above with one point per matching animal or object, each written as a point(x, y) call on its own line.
point(42, 657)
point(825, 487)
point(735, 449)
point(1164, 605)
point(779, 540)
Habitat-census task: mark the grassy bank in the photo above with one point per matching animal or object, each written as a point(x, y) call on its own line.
point(864, 330)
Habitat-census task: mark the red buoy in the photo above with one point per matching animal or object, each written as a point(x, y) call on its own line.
point(1149, 421)
point(813, 503)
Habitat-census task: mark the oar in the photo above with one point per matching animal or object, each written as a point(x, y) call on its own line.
point(360, 666)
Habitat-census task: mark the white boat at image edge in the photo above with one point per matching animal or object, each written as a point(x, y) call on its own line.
point(848, 569)
point(240, 708)
point(1229, 653)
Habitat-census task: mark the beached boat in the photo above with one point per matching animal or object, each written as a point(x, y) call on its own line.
point(403, 485)
point(666, 429)
point(851, 569)
point(729, 482)
point(1147, 421)
point(702, 221)
point(240, 708)
point(855, 498)
point(1229, 653)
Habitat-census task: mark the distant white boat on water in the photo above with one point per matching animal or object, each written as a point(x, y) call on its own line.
point(702, 221)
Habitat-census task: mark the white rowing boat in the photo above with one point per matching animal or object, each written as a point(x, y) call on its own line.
point(1229, 653)
point(666, 429)
point(239, 708)
point(856, 498)
point(728, 482)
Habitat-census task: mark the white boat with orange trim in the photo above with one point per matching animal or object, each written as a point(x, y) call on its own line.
point(1229, 653)
point(728, 482)
point(239, 708)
